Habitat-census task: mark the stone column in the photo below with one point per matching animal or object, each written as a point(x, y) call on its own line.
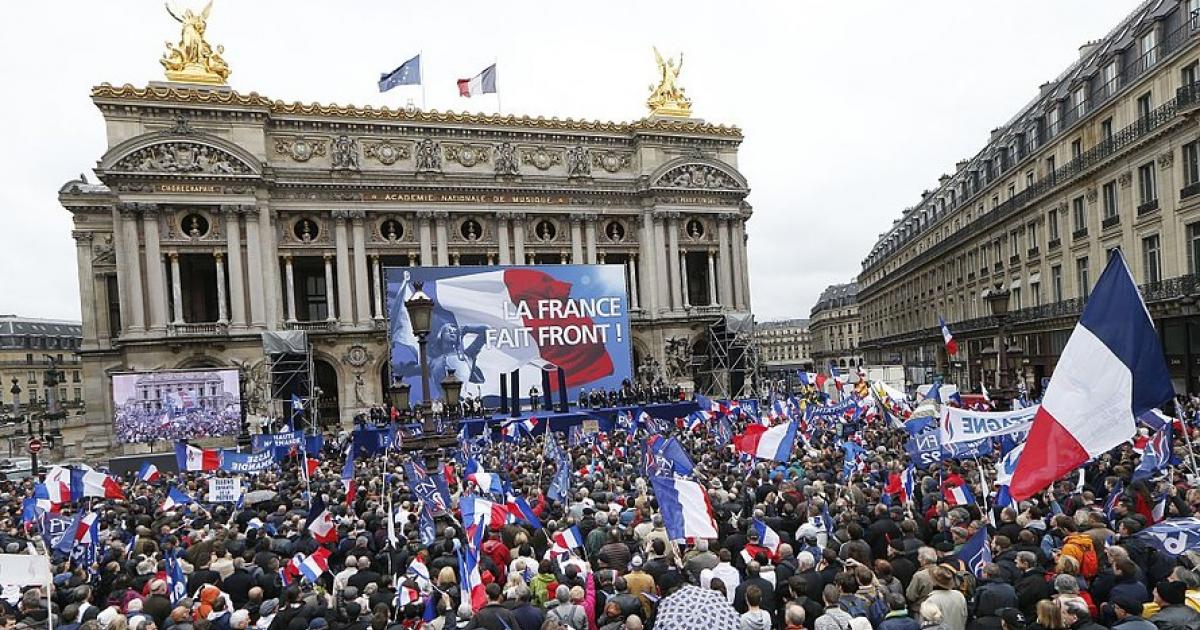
point(269, 251)
point(502, 239)
point(672, 227)
point(518, 229)
point(222, 314)
point(377, 283)
point(650, 298)
point(341, 246)
point(290, 288)
point(725, 285)
point(176, 288)
point(681, 260)
point(633, 281)
point(237, 294)
point(87, 288)
point(443, 252)
point(425, 237)
point(590, 237)
point(576, 220)
point(741, 283)
point(156, 283)
point(256, 278)
point(330, 302)
point(362, 287)
point(118, 244)
point(712, 278)
point(136, 322)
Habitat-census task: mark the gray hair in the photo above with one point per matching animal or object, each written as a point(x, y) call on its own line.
point(795, 615)
point(931, 612)
point(1065, 583)
point(927, 555)
point(805, 561)
point(1027, 557)
point(563, 594)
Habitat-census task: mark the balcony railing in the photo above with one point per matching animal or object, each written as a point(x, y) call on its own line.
point(998, 266)
point(197, 330)
point(324, 325)
point(1053, 244)
point(1189, 191)
point(1148, 207)
point(1014, 259)
point(1112, 221)
point(1079, 234)
point(1032, 253)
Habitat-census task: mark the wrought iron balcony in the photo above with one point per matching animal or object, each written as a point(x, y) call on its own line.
point(1015, 259)
point(1053, 244)
point(1032, 253)
point(1079, 234)
point(1189, 191)
point(1112, 221)
point(323, 325)
point(1148, 207)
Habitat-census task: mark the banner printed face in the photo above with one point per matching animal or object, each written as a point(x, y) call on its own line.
point(492, 320)
point(176, 405)
point(963, 425)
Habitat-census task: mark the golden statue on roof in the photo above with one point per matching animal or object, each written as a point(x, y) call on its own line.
point(193, 60)
point(668, 99)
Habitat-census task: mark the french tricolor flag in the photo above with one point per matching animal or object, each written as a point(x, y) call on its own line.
point(469, 580)
point(685, 508)
point(58, 487)
point(193, 459)
point(1111, 371)
point(519, 508)
point(515, 428)
point(348, 476)
point(482, 83)
point(87, 482)
point(82, 531)
point(767, 537)
point(320, 523)
point(148, 473)
point(951, 344)
point(958, 495)
point(486, 481)
point(478, 515)
point(315, 565)
point(175, 498)
point(775, 443)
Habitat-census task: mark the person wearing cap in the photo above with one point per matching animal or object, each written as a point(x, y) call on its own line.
point(1127, 612)
point(640, 583)
point(1173, 613)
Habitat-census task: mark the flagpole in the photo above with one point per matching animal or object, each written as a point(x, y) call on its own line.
point(1187, 436)
point(421, 55)
point(499, 106)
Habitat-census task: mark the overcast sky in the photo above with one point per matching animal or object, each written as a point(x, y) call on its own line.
point(850, 109)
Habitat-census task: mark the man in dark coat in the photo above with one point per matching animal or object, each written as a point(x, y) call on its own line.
point(1032, 586)
point(494, 616)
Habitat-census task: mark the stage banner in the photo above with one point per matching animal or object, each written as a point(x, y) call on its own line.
point(964, 425)
point(274, 440)
point(176, 405)
point(489, 321)
point(258, 461)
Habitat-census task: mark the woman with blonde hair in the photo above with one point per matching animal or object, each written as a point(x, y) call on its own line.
point(1049, 617)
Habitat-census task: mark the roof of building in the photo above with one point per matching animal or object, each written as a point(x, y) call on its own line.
point(837, 295)
point(795, 322)
point(32, 326)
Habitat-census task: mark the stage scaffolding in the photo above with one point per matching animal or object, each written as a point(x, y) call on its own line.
point(290, 370)
point(728, 367)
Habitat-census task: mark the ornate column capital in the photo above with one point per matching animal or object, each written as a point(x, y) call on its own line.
point(517, 216)
point(575, 217)
point(82, 236)
point(218, 254)
point(356, 215)
point(374, 257)
point(127, 209)
point(328, 259)
point(233, 209)
point(424, 214)
point(148, 209)
point(340, 215)
point(287, 257)
point(441, 215)
point(173, 255)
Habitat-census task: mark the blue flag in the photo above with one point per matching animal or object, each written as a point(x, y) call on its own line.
point(976, 552)
point(426, 528)
point(409, 73)
point(560, 484)
point(1157, 455)
point(1174, 536)
point(426, 488)
point(176, 580)
point(1114, 497)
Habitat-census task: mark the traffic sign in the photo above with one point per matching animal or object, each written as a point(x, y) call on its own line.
point(35, 446)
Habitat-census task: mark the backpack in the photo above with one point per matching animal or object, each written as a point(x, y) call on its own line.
point(878, 608)
point(1081, 548)
point(854, 605)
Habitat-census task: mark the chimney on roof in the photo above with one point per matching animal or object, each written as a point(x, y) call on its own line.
point(996, 133)
point(943, 179)
point(1088, 48)
point(960, 165)
point(1045, 88)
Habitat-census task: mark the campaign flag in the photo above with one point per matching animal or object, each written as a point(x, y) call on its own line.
point(666, 456)
point(434, 497)
point(175, 498)
point(951, 344)
point(976, 552)
point(86, 482)
point(1114, 497)
point(191, 458)
point(482, 83)
point(315, 564)
point(320, 523)
point(1157, 455)
point(958, 495)
point(408, 73)
point(560, 484)
point(297, 407)
point(1155, 419)
point(1174, 536)
point(519, 508)
point(176, 580)
point(31, 509)
point(426, 528)
point(775, 443)
point(148, 473)
point(83, 530)
point(722, 431)
point(1111, 371)
point(1007, 465)
point(469, 580)
point(418, 572)
point(58, 487)
point(348, 477)
point(767, 537)
point(513, 429)
point(685, 508)
point(490, 483)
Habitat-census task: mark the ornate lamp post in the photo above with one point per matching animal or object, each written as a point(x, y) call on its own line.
point(435, 434)
point(997, 300)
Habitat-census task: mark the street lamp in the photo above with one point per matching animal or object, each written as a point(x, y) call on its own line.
point(420, 314)
point(451, 388)
point(997, 301)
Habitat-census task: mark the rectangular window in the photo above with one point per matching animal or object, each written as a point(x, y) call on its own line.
point(1052, 121)
point(1016, 298)
point(1035, 293)
point(1151, 259)
point(1031, 234)
point(1190, 72)
point(1050, 168)
point(1029, 179)
point(1110, 78)
point(1147, 187)
point(1193, 13)
point(1193, 248)
point(1076, 148)
point(1082, 279)
point(1079, 100)
point(78, 394)
point(1110, 199)
point(1143, 106)
point(1148, 49)
point(1079, 214)
point(1052, 224)
point(1012, 190)
point(1106, 130)
point(1191, 163)
point(1056, 289)
point(1014, 243)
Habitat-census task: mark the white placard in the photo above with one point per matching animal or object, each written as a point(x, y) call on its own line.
point(224, 489)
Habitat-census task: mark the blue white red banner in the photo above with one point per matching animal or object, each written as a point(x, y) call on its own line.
point(489, 321)
point(964, 425)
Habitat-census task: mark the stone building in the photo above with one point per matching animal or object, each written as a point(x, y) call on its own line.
point(784, 345)
point(835, 328)
point(220, 215)
point(1106, 157)
point(27, 346)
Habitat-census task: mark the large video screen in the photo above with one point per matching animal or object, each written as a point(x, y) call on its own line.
point(489, 321)
point(176, 405)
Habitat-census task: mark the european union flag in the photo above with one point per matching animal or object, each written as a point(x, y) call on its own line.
point(409, 73)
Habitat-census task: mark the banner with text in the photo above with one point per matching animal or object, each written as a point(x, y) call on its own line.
point(489, 321)
point(258, 461)
point(224, 489)
point(964, 425)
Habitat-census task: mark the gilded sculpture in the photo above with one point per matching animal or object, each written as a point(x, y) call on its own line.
point(668, 99)
point(193, 59)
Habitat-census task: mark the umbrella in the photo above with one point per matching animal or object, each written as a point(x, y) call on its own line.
point(260, 496)
point(695, 608)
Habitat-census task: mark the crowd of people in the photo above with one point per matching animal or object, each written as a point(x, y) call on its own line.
point(134, 424)
point(851, 554)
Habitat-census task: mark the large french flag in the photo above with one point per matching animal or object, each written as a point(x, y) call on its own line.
point(482, 83)
point(685, 508)
point(775, 443)
point(958, 495)
point(484, 299)
point(316, 564)
point(1111, 371)
point(175, 498)
point(87, 482)
point(58, 487)
point(490, 483)
point(192, 459)
point(320, 523)
point(767, 537)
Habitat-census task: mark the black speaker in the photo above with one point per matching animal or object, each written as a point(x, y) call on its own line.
point(515, 376)
point(547, 392)
point(503, 394)
point(562, 391)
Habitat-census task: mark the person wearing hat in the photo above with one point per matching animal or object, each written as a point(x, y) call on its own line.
point(1173, 613)
point(948, 598)
point(1127, 611)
